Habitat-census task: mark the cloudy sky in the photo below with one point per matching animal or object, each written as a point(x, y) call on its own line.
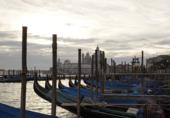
point(122, 28)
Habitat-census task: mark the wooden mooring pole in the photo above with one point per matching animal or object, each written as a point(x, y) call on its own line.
point(114, 67)
point(79, 80)
point(96, 71)
point(92, 75)
point(142, 70)
point(54, 75)
point(142, 61)
point(24, 71)
point(102, 71)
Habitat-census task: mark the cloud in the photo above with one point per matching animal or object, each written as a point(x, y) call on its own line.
point(8, 34)
point(165, 41)
point(121, 28)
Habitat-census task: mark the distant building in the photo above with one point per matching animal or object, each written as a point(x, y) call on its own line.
point(98, 56)
point(83, 58)
point(67, 61)
point(112, 67)
point(100, 62)
point(2, 71)
point(136, 65)
point(68, 67)
point(86, 59)
point(123, 68)
point(160, 63)
point(59, 65)
point(72, 68)
point(133, 66)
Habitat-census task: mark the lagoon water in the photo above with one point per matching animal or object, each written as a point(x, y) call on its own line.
point(10, 95)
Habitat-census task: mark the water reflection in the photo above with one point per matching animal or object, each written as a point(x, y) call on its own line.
point(10, 94)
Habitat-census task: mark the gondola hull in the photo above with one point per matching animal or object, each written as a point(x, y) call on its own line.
point(86, 112)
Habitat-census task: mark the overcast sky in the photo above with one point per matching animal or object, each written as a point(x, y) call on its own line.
point(122, 28)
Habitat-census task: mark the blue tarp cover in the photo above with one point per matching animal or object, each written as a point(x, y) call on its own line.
point(11, 112)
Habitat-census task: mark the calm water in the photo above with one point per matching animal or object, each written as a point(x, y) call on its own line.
point(10, 94)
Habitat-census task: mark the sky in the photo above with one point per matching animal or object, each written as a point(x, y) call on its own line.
point(122, 28)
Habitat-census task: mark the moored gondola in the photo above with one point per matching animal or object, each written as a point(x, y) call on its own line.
point(71, 84)
point(66, 98)
point(114, 110)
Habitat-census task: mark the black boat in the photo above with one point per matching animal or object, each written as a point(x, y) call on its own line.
point(71, 84)
point(66, 98)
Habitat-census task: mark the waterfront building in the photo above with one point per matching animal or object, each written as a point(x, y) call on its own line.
point(136, 65)
point(72, 68)
point(68, 67)
point(159, 63)
point(86, 59)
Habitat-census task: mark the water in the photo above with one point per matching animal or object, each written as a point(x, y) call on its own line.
point(10, 95)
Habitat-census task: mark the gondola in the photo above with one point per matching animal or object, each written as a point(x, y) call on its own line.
point(103, 110)
point(151, 87)
point(71, 84)
point(45, 93)
point(116, 89)
point(111, 84)
point(67, 90)
point(119, 110)
point(114, 86)
point(114, 100)
point(66, 98)
point(76, 84)
point(119, 101)
point(12, 112)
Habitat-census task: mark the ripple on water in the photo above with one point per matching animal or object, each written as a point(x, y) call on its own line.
point(10, 95)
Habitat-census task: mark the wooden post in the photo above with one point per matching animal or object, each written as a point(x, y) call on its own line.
point(122, 67)
point(39, 73)
point(92, 63)
point(142, 67)
point(102, 70)
point(8, 73)
point(54, 74)
point(13, 72)
point(92, 74)
point(114, 67)
point(125, 68)
point(128, 68)
point(111, 66)
point(132, 69)
point(142, 70)
point(112, 71)
point(3, 73)
point(75, 79)
point(79, 79)
point(105, 64)
point(24, 71)
point(96, 72)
